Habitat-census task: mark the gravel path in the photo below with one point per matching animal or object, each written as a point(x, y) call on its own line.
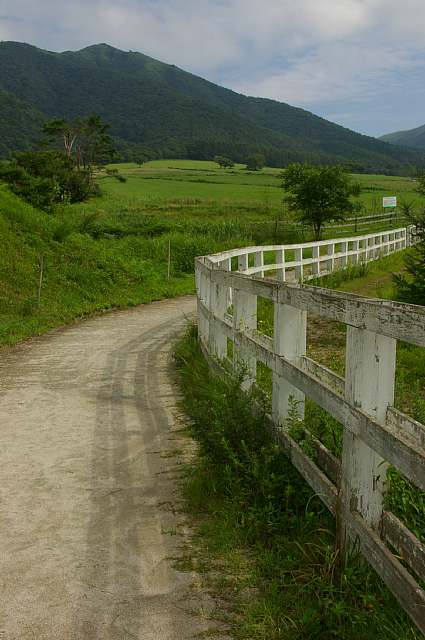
point(88, 468)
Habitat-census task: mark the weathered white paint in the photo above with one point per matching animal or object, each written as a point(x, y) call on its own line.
point(259, 262)
point(374, 430)
point(367, 247)
point(244, 319)
point(290, 341)
point(369, 385)
point(243, 261)
point(219, 303)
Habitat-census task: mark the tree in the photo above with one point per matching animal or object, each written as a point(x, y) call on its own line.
point(67, 131)
point(255, 162)
point(411, 287)
point(420, 187)
point(319, 194)
point(64, 170)
point(45, 178)
point(85, 140)
point(224, 162)
point(141, 154)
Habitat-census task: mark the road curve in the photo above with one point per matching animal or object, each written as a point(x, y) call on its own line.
point(88, 434)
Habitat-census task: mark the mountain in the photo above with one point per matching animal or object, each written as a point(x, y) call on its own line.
point(175, 113)
point(414, 138)
point(20, 123)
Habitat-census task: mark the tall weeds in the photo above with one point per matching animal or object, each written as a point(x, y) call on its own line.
point(264, 533)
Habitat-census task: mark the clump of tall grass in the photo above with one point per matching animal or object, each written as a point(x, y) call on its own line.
point(336, 278)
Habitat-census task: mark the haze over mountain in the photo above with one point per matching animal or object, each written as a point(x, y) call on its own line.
point(414, 138)
point(175, 113)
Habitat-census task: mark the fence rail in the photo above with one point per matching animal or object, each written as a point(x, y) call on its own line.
point(375, 433)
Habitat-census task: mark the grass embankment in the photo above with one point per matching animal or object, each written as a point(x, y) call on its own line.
point(81, 274)
point(95, 260)
point(186, 194)
point(260, 528)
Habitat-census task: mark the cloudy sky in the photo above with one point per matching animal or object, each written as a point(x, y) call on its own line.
point(360, 63)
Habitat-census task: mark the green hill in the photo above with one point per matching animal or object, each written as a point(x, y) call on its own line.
point(414, 138)
point(174, 112)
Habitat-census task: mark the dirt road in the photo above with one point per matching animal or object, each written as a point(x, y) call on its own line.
point(88, 470)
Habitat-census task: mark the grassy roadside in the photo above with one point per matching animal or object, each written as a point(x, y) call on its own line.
point(82, 275)
point(260, 530)
point(265, 538)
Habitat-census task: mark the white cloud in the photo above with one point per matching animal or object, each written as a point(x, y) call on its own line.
point(334, 72)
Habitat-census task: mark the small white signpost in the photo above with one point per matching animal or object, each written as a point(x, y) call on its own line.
point(389, 203)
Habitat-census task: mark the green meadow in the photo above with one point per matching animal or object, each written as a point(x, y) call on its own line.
point(113, 251)
point(198, 185)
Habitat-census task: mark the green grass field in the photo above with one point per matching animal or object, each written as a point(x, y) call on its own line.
point(192, 181)
point(112, 251)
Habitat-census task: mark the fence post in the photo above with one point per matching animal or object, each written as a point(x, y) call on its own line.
point(369, 385)
point(204, 282)
point(217, 337)
point(331, 261)
point(243, 262)
point(356, 248)
point(280, 259)
point(385, 244)
point(227, 266)
point(290, 332)
point(244, 319)
point(259, 262)
point(299, 270)
point(344, 257)
point(315, 267)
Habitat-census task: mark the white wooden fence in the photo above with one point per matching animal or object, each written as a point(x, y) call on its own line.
point(375, 433)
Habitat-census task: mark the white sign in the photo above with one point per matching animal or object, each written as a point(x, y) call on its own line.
point(388, 203)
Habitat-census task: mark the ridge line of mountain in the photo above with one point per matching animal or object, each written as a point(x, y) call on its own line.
point(159, 108)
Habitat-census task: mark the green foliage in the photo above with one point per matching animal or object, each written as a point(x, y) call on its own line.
point(319, 194)
point(411, 287)
point(20, 124)
point(46, 178)
point(195, 205)
point(420, 188)
point(262, 531)
point(173, 113)
point(407, 207)
point(406, 502)
point(335, 279)
point(84, 141)
point(82, 273)
point(255, 162)
point(66, 172)
point(138, 153)
point(223, 162)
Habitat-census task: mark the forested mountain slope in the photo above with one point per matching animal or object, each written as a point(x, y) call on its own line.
point(172, 112)
point(414, 138)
